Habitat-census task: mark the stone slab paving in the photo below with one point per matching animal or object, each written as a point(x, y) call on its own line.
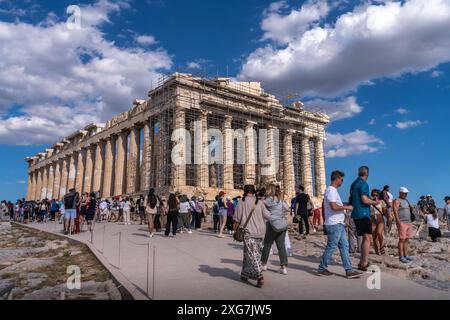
point(202, 266)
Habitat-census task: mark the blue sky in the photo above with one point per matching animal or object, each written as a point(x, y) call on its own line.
point(379, 68)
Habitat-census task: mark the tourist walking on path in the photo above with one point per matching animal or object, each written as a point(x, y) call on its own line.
point(361, 202)
point(447, 211)
point(160, 214)
point(334, 224)
point(201, 210)
point(53, 210)
point(432, 220)
point(43, 211)
point(377, 223)
point(70, 207)
point(91, 209)
point(230, 214)
point(303, 203)
point(85, 199)
point(276, 227)
point(387, 197)
point(183, 214)
point(151, 203)
point(402, 215)
point(193, 205)
point(141, 209)
point(172, 215)
point(216, 215)
point(222, 213)
point(127, 211)
point(255, 212)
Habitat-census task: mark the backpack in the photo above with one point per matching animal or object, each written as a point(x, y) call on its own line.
point(216, 208)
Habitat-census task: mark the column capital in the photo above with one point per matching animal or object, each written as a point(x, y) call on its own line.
point(251, 124)
point(271, 126)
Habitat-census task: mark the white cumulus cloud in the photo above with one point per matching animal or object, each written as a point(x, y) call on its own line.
point(352, 143)
point(336, 109)
point(59, 79)
point(375, 40)
point(409, 124)
point(145, 40)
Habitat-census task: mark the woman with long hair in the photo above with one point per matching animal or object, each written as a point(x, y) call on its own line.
point(90, 211)
point(172, 215)
point(223, 213)
point(377, 223)
point(278, 209)
point(151, 202)
point(249, 208)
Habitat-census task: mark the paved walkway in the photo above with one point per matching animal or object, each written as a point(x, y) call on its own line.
point(202, 266)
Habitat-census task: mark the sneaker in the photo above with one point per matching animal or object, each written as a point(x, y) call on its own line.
point(408, 258)
point(220, 235)
point(352, 274)
point(264, 267)
point(151, 235)
point(404, 260)
point(189, 231)
point(283, 271)
point(324, 273)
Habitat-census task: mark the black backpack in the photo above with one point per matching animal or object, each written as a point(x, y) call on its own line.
point(216, 208)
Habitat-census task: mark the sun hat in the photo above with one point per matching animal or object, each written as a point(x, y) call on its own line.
point(404, 190)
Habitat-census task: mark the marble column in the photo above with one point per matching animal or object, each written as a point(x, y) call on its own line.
point(38, 191)
point(44, 182)
point(319, 159)
point(98, 169)
point(159, 155)
point(107, 174)
point(179, 174)
point(72, 172)
point(147, 157)
point(272, 154)
point(306, 165)
point(250, 153)
point(80, 171)
point(57, 184)
point(133, 161)
point(51, 181)
point(288, 166)
point(89, 168)
point(120, 165)
point(201, 157)
point(63, 188)
point(228, 154)
point(29, 186)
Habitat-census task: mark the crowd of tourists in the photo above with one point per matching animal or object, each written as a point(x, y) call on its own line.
point(258, 218)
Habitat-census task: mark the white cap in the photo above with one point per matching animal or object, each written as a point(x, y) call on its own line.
point(404, 190)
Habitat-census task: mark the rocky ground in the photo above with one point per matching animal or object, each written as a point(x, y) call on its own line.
point(431, 265)
point(33, 266)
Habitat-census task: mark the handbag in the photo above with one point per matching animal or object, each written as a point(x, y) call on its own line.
point(413, 216)
point(239, 234)
point(279, 225)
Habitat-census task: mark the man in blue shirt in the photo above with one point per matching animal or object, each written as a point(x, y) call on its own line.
point(361, 202)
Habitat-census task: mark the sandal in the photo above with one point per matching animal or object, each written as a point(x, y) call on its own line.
point(361, 268)
point(244, 279)
point(260, 282)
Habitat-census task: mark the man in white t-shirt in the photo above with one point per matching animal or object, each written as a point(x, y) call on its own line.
point(335, 228)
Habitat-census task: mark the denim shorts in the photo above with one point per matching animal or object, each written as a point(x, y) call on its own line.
point(70, 214)
point(223, 212)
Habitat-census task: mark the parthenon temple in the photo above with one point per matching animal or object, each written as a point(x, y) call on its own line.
point(133, 151)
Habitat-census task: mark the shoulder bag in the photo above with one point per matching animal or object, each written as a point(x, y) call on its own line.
point(239, 234)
